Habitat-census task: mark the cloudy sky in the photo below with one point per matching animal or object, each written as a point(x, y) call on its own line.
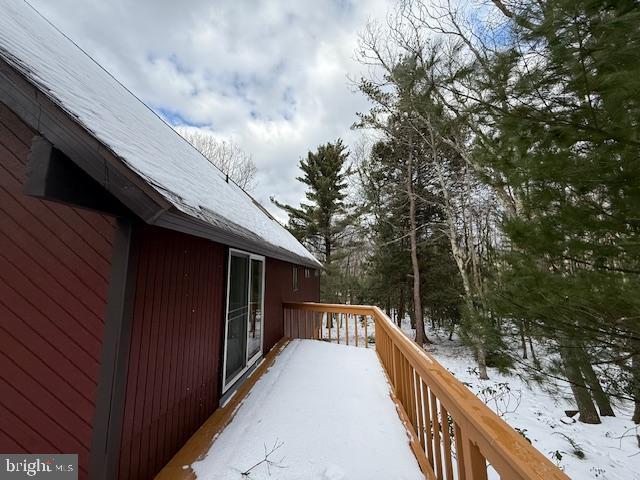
point(272, 75)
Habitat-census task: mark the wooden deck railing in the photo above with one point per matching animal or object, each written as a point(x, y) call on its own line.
point(454, 434)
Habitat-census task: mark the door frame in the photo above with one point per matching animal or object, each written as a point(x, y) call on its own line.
point(249, 362)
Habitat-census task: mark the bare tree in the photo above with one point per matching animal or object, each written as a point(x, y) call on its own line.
point(227, 155)
point(466, 205)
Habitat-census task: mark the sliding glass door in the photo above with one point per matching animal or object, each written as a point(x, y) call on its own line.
point(256, 290)
point(245, 314)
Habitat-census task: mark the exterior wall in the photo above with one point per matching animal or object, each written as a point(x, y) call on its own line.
point(55, 264)
point(278, 289)
point(175, 354)
point(55, 267)
point(175, 359)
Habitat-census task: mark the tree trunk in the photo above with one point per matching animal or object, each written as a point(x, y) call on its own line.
point(461, 260)
point(327, 250)
point(401, 308)
point(635, 385)
point(421, 338)
point(482, 362)
point(598, 394)
point(533, 353)
point(522, 339)
point(582, 396)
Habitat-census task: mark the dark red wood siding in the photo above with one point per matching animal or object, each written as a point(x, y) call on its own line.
point(55, 264)
point(279, 288)
point(173, 377)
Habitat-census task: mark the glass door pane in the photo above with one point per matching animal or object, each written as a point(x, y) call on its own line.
point(237, 313)
point(255, 309)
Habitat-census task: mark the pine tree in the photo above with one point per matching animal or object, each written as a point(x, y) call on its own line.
point(563, 100)
point(325, 220)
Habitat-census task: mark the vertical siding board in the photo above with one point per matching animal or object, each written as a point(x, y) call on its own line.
point(178, 425)
point(160, 368)
point(178, 341)
point(169, 370)
point(208, 365)
point(134, 361)
point(151, 344)
point(169, 359)
point(173, 371)
point(202, 340)
point(278, 289)
point(142, 348)
point(211, 307)
point(197, 339)
point(184, 344)
point(192, 337)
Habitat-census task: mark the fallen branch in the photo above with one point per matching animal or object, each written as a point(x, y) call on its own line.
point(266, 460)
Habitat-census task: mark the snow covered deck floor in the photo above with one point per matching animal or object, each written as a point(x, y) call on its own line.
point(329, 407)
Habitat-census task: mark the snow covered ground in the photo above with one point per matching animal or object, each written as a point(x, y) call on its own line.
point(327, 412)
point(610, 450)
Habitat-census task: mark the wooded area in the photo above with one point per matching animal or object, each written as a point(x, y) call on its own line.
point(496, 192)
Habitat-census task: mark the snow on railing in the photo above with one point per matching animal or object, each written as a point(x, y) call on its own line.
point(452, 433)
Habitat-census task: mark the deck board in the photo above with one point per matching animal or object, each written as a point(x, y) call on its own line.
point(330, 407)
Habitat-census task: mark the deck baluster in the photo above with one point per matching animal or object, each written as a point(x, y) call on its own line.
point(446, 438)
point(437, 451)
point(434, 407)
point(346, 328)
point(366, 335)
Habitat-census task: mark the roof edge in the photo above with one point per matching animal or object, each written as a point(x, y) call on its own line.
point(49, 119)
point(182, 222)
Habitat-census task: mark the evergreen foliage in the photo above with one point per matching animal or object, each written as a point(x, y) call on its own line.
point(324, 222)
point(505, 178)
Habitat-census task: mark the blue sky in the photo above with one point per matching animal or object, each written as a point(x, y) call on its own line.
point(271, 75)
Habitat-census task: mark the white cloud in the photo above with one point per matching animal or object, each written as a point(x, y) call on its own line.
point(270, 74)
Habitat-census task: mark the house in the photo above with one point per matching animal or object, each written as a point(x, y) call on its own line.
point(139, 291)
point(138, 287)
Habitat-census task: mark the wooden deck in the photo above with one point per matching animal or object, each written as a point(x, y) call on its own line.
point(198, 445)
point(453, 433)
point(450, 431)
point(328, 407)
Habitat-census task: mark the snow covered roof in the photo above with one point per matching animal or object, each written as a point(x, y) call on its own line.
point(138, 137)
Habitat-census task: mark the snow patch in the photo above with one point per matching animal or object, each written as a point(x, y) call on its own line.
point(610, 449)
point(329, 406)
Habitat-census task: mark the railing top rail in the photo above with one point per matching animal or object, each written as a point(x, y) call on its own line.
point(509, 453)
